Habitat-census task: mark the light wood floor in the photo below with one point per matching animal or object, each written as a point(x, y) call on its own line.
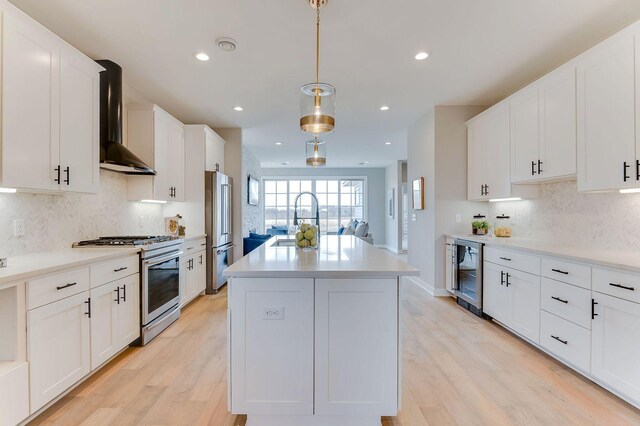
point(458, 369)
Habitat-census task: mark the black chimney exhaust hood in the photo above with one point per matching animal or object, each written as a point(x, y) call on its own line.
point(113, 155)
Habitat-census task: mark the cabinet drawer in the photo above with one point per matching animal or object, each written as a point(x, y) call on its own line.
point(618, 284)
point(113, 270)
point(513, 259)
point(566, 301)
point(567, 272)
point(566, 340)
point(193, 246)
point(42, 291)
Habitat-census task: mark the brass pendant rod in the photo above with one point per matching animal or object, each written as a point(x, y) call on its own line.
point(318, 43)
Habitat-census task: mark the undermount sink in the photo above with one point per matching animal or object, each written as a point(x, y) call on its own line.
point(284, 243)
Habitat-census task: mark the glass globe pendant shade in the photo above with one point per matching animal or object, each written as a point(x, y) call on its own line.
point(317, 108)
point(316, 153)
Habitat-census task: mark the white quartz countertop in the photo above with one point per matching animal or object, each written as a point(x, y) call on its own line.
point(191, 237)
point(343, 256)
point(30, 265)
point(617, 259)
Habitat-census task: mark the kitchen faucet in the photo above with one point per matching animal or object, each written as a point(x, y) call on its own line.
point(295, 210)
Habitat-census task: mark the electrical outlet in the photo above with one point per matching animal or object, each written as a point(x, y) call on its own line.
point(18, 227)
point(273, 313)
point(414, 217)
point(458, 218)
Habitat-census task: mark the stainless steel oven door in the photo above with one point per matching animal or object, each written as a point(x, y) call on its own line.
point(160, 285)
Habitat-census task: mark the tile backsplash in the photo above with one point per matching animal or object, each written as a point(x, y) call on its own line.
point(561, 214)
point(56, 221)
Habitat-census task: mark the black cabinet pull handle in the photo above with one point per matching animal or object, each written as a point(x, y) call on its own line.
point(201, 259)
point(486, 190)
point(66, 170)
point(117, 299)
point(57, 180)
point(637, 169)
point(622, 286)
point(120, 269)
point(203, 244)
point(593, 309)
point(506, 258)
point(124, 293)
point(559, 300)
point(559, 339)
point(540, 163)
point(88, 302)
point(560, 272)
point(508, 276)
point(60, 287)
point(533, 168)
point(625, 166)
point(501, 277)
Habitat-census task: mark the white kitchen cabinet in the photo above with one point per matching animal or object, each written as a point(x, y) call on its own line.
point(494, 292)
point(272, 346)
point(204, 148)
point(606, 115)
point(615, 347)
point(194, 278)
point(58, 347)
point(489, 159)
point(512, 298)
point(543, 128)
point(215, 150)
point(158, 138)
point(50, 125)
point(115, 318)
point(79, 122)
point(356, 358)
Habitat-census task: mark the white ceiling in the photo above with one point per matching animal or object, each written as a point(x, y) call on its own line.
point(481, 51)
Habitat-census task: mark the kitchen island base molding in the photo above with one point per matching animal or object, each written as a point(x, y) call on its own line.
point(254, 420)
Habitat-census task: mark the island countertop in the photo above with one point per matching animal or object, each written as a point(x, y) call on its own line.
point(342, 256)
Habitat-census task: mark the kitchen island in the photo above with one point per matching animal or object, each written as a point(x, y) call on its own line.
point(314, 336)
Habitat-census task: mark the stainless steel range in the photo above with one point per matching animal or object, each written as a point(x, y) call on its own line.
point(159, 278)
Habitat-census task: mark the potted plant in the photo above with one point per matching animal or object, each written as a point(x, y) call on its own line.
point(480, 227)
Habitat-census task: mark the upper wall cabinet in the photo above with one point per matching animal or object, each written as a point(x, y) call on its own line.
point(607, 99)
point(204, 149)
point(158, 138)
point(50, 110)
point(489, 175)
point(543, 128)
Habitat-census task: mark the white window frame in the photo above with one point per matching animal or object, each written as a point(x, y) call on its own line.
point(313, 179)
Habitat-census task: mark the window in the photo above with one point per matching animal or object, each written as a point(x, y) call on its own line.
point(340, 201)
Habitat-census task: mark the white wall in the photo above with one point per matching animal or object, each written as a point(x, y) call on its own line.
point(252, 216)
point(233, 168)
point(437, 151)
point(376, 194)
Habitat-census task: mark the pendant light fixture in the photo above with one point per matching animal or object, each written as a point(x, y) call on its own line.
point(317, 100)
point(316, 153)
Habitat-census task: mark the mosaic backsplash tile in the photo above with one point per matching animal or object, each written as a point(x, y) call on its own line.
point(561, 214)
point(56, 221)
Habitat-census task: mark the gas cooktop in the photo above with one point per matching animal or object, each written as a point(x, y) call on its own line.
point(138, 240)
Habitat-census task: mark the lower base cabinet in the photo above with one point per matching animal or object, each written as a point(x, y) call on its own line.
point(58, 347)
point(615, 346)
point(14, 393)
point(566, 340)
point(194, 278)
point(305, 347)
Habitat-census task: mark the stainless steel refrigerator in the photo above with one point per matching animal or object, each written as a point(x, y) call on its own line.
point(219, 228)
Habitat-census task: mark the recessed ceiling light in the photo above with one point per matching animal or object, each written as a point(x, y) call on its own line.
point(363, 163)
point(384, 108)
point(227, 44)
point(286, 163)
point(387, 143)
point(201, 56)
point(238, 108)
point(422, 56)
point(278, 143)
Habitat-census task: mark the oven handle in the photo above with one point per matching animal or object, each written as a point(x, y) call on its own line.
point(158, 260)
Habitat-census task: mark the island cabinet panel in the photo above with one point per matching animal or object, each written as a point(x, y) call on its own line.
point(356, 328)
point(272, 346)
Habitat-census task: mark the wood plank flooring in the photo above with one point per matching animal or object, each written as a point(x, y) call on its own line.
point(457, 369)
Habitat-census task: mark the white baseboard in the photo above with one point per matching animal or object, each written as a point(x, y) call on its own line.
point(437, 292)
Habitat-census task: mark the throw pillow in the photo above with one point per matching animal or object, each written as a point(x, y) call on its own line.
point(341, 230)
point(255, 236)
point(361, 230)
point(349, 231)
